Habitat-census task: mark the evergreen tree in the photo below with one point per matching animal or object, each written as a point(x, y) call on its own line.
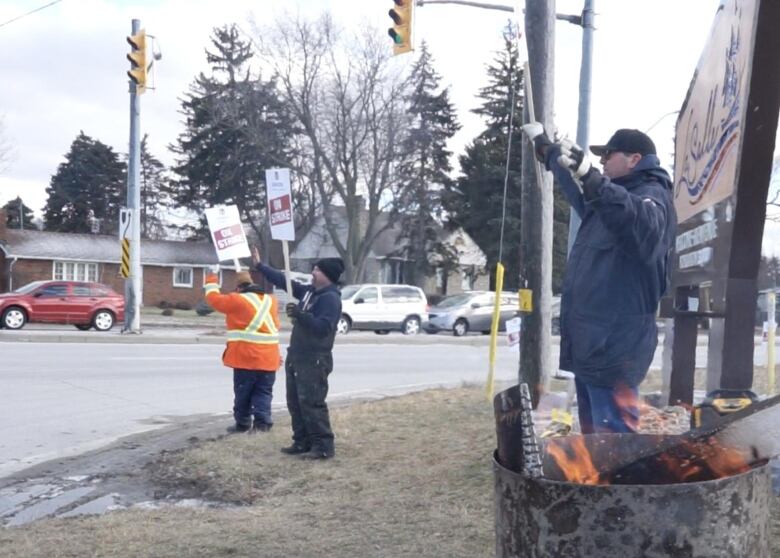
point(475, 203)
point(425, 171)
point(236, 128)
point(89, 185)
point(18, 215)
point(769, 272)
point(154, 193)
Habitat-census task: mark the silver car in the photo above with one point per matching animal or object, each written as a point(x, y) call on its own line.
point(472, 311)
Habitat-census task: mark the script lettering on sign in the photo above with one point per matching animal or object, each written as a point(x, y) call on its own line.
point(709, 129)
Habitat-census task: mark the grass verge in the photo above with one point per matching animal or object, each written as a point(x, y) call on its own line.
point(412, 478)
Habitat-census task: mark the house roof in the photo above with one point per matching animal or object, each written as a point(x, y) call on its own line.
point(389, 243)
point(45, 245)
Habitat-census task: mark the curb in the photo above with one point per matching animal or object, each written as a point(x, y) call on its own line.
point(201, 338)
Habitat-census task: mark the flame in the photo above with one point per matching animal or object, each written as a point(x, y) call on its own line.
point(704, 460)
point(630, 405)
point(575, 462)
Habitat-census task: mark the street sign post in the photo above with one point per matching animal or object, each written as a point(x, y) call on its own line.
point(125, 237)
point(280, 213)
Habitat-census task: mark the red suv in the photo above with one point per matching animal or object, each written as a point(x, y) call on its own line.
point(84, 305)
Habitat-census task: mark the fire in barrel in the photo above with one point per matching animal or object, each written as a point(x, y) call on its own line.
point(703, 493)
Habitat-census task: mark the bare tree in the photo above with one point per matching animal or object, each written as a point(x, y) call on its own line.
point(348, 99)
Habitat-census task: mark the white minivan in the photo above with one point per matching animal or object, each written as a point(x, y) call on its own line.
point(383, 308)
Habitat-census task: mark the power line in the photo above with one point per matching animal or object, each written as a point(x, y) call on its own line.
point(17, 18)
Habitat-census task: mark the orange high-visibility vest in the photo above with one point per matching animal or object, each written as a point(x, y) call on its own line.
point(252, 321)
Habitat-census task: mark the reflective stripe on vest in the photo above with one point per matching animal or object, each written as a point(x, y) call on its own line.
point(251, 333)
point(211, 288)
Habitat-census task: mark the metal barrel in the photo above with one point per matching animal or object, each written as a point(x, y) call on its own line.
point(539, 517)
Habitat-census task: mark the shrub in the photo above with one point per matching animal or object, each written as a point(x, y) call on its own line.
point(203, 309)
point(183, 306)
point(167, 312)
point(163, 304)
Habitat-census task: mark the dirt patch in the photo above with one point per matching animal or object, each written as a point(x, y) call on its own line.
point(412, 477)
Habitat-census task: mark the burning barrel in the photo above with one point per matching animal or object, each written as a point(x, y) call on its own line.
point(540, 517)
point(628, 495)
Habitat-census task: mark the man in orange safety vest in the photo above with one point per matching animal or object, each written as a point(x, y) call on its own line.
point(252, 319)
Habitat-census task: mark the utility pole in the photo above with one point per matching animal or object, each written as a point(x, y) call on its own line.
point(134, 283)
point(583, 111)
point(21, 214)
point(536, 220)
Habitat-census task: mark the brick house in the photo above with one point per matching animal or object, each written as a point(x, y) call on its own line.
point(173, 271)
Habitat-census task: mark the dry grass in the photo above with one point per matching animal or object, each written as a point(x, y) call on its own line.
point(412, 478)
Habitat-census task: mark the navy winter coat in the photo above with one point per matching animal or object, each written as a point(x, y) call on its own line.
point(616, 273)
point(315, 330)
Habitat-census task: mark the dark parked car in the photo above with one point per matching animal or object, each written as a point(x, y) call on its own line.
point(84, 305)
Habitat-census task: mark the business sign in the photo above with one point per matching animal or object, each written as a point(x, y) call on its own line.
point(280, 209)
point(227, 232)
point(723, 147)
point(711, 123)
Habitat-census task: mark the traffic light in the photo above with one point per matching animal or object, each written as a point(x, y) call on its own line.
point(401, 31)
point(137, 58)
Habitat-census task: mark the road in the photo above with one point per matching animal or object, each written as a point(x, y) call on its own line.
point(62, 399)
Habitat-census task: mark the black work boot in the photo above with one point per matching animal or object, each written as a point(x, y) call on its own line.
point(318, 453)
point(261, 427)
point(238, 428)
point(296, 448)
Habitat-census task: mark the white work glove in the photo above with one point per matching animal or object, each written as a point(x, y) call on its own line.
point(587, 177)
point(535, 132)
point(573, 158)
point(214, 269)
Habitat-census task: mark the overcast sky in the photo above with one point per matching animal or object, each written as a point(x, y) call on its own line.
point(63, 68)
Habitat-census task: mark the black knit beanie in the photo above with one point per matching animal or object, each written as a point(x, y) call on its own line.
point(331, 267)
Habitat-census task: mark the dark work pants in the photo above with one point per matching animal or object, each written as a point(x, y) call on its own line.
point(307, 388)
point(253, 390)
point(607, 409)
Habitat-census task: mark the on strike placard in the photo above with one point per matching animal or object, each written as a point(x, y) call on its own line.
point(227, 233)
point(280, 210)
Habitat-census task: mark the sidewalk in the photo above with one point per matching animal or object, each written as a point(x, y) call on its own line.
point(186, 334)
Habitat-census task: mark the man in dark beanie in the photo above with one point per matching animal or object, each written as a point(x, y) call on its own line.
point(310, 354)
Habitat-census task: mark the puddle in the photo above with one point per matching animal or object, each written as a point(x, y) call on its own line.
point(49, 506)
point(97, 506)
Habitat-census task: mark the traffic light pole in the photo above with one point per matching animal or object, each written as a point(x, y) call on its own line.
point(133, 284)
point(583, 112)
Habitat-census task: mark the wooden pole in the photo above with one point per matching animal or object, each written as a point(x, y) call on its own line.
point(537, 203)
point(286, 250)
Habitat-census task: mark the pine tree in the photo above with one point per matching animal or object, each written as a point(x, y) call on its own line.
point(426, 169)
point(89, 185)
point(155, 197)
point(15, 209)
point(236, 128)
point(475, 203)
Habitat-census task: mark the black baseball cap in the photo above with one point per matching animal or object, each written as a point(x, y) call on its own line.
point(627, 141)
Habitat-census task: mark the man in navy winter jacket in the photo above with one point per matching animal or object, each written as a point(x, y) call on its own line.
point(310, 354)
point(616, 272)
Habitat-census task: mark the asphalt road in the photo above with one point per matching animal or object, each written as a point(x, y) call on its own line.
point(63, 399)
